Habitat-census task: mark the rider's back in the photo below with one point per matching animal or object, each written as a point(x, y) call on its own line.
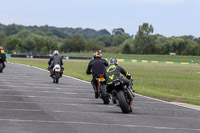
point(98, 66)
point(56, 59)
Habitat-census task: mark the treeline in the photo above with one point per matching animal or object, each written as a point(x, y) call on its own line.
point(44, 39)
point(146, 43)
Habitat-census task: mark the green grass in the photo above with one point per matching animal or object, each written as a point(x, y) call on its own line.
point(172, 82)
point(176, 58)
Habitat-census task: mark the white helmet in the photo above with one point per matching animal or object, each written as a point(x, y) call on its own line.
point(55, 52)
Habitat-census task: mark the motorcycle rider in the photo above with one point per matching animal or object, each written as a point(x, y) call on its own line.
point(3, 57)
point(55, 59)
point(113, 72)
point(98, 66)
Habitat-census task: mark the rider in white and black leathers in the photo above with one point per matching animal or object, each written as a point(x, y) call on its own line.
point(98, 66)
point(55, 59)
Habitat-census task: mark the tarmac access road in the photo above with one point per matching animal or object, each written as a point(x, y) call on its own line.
point(31, 103)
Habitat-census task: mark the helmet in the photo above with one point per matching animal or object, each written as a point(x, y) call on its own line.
point(114, 61)
point(1, 48)
point(55, 52)
point(97, 54)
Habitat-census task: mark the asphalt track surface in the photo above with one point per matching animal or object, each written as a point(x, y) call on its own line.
point(31, 103)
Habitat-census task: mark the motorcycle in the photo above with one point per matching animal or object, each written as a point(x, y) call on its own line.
point(101, 89)
point(1, 65)
point(56, 73)
point(123, 95)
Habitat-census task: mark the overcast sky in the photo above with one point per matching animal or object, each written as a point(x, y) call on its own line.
point(168, 17)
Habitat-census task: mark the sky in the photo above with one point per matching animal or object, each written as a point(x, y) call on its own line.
point(168, 17)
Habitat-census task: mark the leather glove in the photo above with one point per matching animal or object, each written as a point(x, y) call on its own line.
point(129, 76)
point(88, 73)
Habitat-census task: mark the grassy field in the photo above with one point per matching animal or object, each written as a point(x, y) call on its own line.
point(171, 82)
point(178, 58)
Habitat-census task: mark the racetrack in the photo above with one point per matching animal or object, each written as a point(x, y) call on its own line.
point(31, 103)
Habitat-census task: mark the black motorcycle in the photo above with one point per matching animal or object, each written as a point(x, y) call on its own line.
point(101, 89)
point(57, 73)
point(123, 95)
point(1, 65)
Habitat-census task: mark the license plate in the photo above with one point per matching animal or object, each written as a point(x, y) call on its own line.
point(57, 70)
point(101, 79)
point(116, 83)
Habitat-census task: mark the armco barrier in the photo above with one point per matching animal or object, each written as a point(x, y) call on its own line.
point(8, 55)
point(47, 57)
point(80, 58)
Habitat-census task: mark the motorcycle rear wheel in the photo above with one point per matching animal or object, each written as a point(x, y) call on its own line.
point(122, 102)
point(104, 96)
point(56, 81)
point(1, 67)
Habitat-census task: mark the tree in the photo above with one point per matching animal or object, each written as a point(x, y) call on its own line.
point(77, 43)
point(160, 43)
point(13, 44)
point(103, 32)
point(119, 39)
point(144, 41)
point(23, 34)
point(126, 49)
point(66, 46)
point(3, 38)
point(29, 45)
point(127, 46)
point(107, 39)
point(11, 29)
point(40, 44)
point(192, 48)
point(51, 45)
point(118, 31)
point(93, 45)
point(59, 34)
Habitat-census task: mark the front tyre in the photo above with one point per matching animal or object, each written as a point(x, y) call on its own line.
point(122, 102)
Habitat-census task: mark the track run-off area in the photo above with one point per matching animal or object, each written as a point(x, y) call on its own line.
point(31, 103)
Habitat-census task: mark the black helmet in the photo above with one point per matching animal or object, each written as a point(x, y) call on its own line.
point(114, 61)
point(97, 54)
